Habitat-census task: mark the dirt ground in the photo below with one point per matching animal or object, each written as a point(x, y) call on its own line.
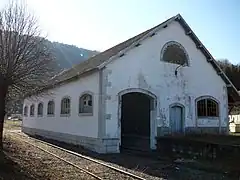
point(21, 161)
point(9, 169)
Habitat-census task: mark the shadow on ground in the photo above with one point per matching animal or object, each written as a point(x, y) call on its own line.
point(147, 164)
point(10, 170)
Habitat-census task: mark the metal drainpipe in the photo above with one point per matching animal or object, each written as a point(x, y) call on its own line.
point(220, 126)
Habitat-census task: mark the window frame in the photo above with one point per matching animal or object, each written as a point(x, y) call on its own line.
point(81, 104)
point(205, 99)
point(32, 115)
point(169, 43)
point(61, 107)
point(53, 109)
point(40, 115)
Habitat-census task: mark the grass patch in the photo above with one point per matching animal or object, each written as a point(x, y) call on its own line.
point(12, 125)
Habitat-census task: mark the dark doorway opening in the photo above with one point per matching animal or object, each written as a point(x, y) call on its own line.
point(135, 121)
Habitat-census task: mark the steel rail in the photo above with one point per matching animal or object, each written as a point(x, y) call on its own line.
point(68, 162)
point(87, 158)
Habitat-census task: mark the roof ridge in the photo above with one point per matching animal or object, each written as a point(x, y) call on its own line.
point(112, 50)
point(102, 58)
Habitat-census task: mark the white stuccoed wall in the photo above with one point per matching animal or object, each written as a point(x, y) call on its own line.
point(141, 68)
point(138, 68)
point(75, 124)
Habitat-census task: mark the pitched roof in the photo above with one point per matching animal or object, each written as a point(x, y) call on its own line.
point(95, 62)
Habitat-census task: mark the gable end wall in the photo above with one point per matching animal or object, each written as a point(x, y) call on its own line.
point(142, 68)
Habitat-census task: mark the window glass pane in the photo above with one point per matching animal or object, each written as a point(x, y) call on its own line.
point(90, 103)
point(25, 111)
point(40, 109)
point(51, 107)
point(207, 108)
point(174, 54)
point(32, 110)
point(65, 106)
point(85, 104)
point(212, 108)
point(201, 108)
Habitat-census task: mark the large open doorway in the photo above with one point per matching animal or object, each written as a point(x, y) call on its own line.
point(136, 121)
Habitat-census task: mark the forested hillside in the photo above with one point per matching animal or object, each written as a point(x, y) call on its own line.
point(69, 55)
point(232, 71)
point(66, 56)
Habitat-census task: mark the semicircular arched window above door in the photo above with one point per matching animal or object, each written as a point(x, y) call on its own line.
point(173, 52)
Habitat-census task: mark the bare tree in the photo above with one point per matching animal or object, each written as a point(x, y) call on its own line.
point(26, 62)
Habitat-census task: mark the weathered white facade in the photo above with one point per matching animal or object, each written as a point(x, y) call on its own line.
point(139, 69)
point(66, 127)
point(142, 70)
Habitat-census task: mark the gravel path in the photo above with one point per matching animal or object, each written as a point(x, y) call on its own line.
point(40, 165)
point(93, 167)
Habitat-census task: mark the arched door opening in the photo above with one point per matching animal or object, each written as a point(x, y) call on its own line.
point(136, 121)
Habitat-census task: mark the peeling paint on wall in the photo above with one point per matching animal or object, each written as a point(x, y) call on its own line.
point(159, 77)
point(142, 83)
point(190, 109)
point(162, 117)
point(129, 82)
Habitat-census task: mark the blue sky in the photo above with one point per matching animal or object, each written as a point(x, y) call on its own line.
point(100, 24)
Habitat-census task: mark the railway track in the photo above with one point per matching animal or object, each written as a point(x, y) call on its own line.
point(95, 168)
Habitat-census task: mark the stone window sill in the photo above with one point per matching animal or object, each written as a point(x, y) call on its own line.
point(85, 114)
point(209, 117)
point(50, 115)
point(64, 115)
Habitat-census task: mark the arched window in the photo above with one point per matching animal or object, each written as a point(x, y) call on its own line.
point(175, 53)
point(51, 108)
point(207, 108)
point(25, 111)
point(32, 110)
point(65, 106)
point(86, 104)
point(40, 109)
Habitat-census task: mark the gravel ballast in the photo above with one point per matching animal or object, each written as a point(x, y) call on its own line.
point(37, 164)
